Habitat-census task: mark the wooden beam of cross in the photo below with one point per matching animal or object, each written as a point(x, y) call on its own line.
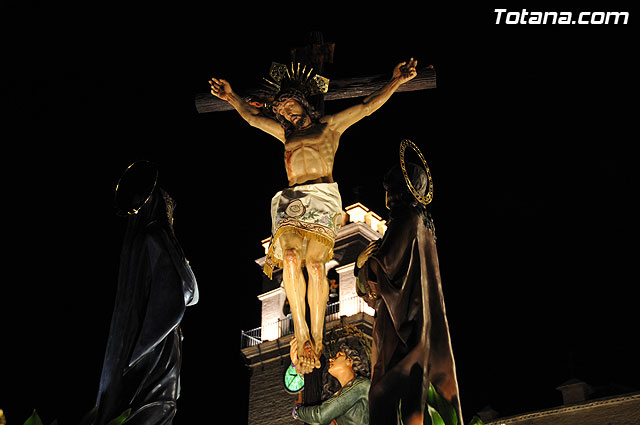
point(316, 53)
point(346, 88)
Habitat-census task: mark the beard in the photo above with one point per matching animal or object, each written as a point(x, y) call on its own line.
point(298, 121)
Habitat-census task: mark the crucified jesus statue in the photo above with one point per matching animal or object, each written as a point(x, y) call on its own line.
point(306, 215)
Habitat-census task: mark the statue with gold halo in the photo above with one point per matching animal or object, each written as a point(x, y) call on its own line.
point(399, 277)
point(306, 215)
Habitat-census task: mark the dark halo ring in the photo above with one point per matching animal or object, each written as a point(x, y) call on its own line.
point(426, 199)
point(135, 187)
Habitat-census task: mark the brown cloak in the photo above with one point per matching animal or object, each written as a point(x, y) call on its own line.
point(412, 347)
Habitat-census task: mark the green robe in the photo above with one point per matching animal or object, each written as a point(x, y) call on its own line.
point(349, 406)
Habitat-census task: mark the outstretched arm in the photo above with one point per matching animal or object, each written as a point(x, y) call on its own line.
point(402, 73)
point(222, 90)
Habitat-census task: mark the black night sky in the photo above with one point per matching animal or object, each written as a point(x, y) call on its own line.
point(528, 136)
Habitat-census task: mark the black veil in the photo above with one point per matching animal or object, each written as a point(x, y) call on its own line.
point(155, 284)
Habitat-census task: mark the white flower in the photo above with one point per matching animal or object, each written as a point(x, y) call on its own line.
point(295, 208)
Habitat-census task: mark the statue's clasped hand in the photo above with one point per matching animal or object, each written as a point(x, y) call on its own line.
point(365, 289)
point(364, 255)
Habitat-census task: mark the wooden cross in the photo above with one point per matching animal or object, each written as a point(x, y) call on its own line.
point(314, 54)
point(317, 53)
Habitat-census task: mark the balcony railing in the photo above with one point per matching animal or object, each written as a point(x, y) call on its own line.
point(284, 327)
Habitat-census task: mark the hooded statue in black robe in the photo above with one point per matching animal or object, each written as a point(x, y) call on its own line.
point(399, 277)
point(155, 284)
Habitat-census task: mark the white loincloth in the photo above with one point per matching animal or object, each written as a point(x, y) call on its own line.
point(314, 211)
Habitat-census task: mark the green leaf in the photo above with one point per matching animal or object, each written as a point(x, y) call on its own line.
point(444, 410)
point(438, 411)
point(435, 417)
point(476, 421)
point(34, 419)
point(121, 418)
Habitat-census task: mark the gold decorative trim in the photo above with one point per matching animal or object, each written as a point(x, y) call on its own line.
point(310, 85)
point(317, 232)
point(426, 199)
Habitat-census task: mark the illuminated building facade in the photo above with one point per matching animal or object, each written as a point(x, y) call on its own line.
point(266, 348)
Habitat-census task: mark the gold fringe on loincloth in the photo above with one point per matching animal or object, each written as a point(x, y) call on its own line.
point(309, 231)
